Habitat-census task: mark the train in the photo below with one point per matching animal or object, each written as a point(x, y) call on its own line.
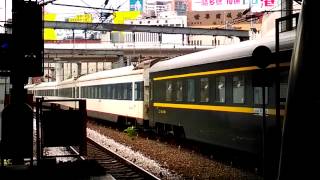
point(212, 96)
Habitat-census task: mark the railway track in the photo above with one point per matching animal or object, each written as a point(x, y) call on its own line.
point(114, 164)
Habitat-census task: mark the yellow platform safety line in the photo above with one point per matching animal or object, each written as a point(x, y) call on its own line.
point(233, 109)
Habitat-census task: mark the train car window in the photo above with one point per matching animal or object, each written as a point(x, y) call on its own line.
point(99, 91)
point(138, 91)
point(90, 90)
point(125, 91)
point(283, 86)
point(77, 92)
point(129, 91)
point(190, 90)
point(117, 91)
point(283, 93)
point(95, 92)
point(238, 89)
point(204, 90)
point(120, 91)
point(179, 90)
point(113, 90)
point(103, 91)
point(257, 97)
point(168, 90)
point(135, 91)
point(108, 91)
point(220, 90)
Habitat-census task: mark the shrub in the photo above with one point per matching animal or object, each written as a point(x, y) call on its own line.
point(131, 131)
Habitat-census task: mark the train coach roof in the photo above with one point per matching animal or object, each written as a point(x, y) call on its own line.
point(67, 81)
point(224, 53)
point(29, 86)
point(128, 70)
point(46, 85)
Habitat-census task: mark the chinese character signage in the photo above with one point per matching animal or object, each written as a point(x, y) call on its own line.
point(256, 5)
point(84, 18)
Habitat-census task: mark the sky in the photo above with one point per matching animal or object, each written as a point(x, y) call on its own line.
point(65, 11)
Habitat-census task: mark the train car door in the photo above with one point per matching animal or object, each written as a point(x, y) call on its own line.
point(138, 98)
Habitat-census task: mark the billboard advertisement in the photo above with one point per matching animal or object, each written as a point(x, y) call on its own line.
point(50, 33)
point(83, 18)
point(65, 34)
point(136, 5)
point(121, 16)
point(256, 5)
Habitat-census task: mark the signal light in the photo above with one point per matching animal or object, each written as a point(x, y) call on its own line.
point(28, 38)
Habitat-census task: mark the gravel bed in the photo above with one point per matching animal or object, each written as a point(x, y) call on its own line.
point(171, 162)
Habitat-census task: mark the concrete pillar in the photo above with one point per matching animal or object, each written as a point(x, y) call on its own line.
point(286, 8)
point(78, 69)
point(121, 61)
point(59, 72)
point(48, 72)
point(70, 66)
point(87, 68)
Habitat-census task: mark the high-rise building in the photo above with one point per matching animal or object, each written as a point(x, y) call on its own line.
point(157, 6)
point(181, 6)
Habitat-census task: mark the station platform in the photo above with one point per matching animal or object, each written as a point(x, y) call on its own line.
point(77, 170)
